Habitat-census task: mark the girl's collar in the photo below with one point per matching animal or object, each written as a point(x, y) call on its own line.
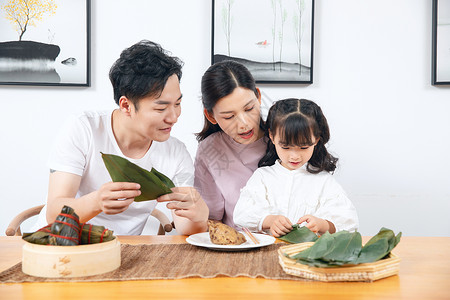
point(278, 166)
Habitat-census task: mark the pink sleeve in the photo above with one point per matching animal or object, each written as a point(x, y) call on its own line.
point(206, 186)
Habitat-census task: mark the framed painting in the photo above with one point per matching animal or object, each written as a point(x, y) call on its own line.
point(441, 43)
point(45, 42)
point(272, 38)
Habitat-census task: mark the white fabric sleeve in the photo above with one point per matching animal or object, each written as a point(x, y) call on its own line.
point(184, 175)
point(71, 147)
point(335, 207)
point(253, 206)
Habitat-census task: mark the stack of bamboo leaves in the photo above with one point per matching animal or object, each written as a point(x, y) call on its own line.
point(341, 248)
point(153, 184)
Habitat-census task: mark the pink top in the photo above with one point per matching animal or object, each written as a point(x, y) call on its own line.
point(222, 168)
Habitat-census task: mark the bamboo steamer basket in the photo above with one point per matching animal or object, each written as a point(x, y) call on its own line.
point(363, 272)
point(70, 261)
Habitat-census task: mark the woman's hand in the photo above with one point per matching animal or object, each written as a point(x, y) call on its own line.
point(279, 225)
point(186, 202)
point(317, 225)
point(115, 197)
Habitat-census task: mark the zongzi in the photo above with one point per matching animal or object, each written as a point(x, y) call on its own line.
point(93, 234)
point(38, 237)
point(66, 229)
point(222, 234)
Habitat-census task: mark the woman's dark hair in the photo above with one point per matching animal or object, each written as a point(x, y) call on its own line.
point(297, 121)
point(142, 70)
point(220, 80)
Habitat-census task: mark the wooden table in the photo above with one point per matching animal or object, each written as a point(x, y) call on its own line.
point(424, 274)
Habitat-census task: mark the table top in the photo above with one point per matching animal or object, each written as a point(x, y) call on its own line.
point(424, 274)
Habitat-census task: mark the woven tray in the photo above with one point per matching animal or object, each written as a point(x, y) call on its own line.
point(363, 272)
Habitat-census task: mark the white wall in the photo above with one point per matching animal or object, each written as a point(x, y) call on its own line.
point(372, 64)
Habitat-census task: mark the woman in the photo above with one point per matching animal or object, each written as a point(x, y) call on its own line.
point(231, 142)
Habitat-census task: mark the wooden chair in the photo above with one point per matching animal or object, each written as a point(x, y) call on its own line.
point(14, 227)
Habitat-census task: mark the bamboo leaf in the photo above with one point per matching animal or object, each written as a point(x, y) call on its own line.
point(344, 248)
point(320, 247)
point(299, 234)
point(382, 234)
point(122, 170)
point(379, 246)
point(164, 179)
point(374, 251)
point(397, 239)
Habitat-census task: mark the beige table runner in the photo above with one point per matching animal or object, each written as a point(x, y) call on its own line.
point(177, 261)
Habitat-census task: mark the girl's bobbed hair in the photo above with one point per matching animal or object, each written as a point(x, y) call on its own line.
point(219, 81)
point(297, 121)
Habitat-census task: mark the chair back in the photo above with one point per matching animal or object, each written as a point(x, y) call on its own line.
point(14, 226)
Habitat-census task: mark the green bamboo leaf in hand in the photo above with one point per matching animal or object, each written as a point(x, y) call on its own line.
point(153, 183)
point(299, 234)
point(166, 180)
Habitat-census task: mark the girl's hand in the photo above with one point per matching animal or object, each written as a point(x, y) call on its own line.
point(316, 224)
point(279, 225)
point(116, 197)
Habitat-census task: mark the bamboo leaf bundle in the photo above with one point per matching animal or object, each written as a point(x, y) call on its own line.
point(153, 184)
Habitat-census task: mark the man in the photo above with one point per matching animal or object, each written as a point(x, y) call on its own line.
point(146, 83)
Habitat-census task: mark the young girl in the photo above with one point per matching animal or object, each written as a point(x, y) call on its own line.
point(294, 184)
point(231, 142)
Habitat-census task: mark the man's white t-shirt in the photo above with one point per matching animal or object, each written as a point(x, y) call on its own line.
point(77, 151)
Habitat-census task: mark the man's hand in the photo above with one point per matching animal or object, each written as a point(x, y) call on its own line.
point(63, 188)
point(186, 202)
point(115, 197)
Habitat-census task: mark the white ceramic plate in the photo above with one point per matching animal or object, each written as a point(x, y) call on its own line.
point(202, 239)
